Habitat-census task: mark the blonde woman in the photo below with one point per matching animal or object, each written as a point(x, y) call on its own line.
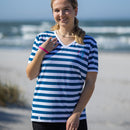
point(65, 62)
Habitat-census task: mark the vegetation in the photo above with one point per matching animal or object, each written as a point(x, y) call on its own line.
point(10, 95)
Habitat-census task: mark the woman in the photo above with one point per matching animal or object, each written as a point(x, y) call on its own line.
point(65, 62)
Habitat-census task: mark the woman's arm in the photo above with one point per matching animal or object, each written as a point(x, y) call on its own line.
point(33, 68)
point(73, 121)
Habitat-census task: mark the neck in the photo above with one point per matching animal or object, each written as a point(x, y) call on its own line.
point(65, 32)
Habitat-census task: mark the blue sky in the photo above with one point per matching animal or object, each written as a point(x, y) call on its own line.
point(40, 9)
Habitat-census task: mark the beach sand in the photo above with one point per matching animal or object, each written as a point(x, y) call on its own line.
point(108, 109)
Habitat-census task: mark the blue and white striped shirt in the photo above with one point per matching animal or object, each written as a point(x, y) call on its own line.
point(62, 77)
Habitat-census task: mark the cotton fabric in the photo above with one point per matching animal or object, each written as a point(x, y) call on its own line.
point(62, 77)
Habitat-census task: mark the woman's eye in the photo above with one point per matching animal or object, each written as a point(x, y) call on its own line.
point(66, 9)
point(56, 10)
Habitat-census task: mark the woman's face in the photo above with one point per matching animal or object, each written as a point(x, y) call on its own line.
point(64, 13)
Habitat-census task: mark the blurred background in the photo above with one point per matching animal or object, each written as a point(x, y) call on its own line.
point(108, 21)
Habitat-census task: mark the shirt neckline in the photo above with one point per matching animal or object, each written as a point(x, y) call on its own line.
point(62, 42)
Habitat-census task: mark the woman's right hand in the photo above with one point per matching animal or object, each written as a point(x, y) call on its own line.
point(33, 68)
point(50, 44)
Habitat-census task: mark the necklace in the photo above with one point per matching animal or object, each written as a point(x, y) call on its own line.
point(65, 36)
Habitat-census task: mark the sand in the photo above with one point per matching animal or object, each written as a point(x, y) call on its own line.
point(108, 109)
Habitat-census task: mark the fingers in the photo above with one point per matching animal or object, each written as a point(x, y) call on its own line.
point(53, 43)
point(71, 126)
point(72, 123)
point(49, 39)
point(67, 126)
point(54, 39)
point(50, 44)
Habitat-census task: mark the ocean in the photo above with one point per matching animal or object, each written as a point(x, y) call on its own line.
point(111, 36)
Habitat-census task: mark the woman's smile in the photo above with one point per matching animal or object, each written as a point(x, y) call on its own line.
point(64, 13)
point(63, 20)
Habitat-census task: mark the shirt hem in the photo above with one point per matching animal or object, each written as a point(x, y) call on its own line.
point(53, 121)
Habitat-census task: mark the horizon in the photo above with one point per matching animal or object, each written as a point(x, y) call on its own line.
point(51, 20)
point(31, 10)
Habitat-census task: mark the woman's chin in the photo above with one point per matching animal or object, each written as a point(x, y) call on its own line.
point(63, 24)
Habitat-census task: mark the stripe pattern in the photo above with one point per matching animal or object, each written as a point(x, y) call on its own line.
point(62, 76)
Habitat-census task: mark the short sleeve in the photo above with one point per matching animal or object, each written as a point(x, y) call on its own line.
point(93, 57)
point(34, 49)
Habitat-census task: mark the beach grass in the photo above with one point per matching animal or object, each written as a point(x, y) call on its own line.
point(10, 95)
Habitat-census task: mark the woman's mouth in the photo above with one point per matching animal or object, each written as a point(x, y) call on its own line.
point(63, 20)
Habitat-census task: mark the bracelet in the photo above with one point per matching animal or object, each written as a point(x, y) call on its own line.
point(43, 49)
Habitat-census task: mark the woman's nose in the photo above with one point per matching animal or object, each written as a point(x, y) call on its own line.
point(62, 12)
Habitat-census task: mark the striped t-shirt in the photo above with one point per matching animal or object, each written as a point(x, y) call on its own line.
point(62, 77)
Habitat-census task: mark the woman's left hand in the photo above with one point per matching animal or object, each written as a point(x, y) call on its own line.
point(73, 122)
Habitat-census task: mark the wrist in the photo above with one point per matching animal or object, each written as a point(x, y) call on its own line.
point(78, 114)
point(43, 49)
point(41, 52)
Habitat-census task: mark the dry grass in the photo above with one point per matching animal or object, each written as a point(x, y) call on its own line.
point(10, 95)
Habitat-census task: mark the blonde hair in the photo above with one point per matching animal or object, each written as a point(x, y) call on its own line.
point(77, 31)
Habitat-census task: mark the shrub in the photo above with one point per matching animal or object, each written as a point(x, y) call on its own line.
point(10, 95)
